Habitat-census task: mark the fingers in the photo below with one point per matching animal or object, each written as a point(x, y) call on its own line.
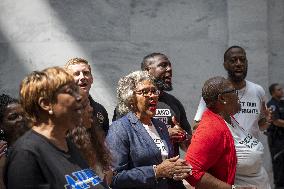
point(180, 176)
point(2, 142)
point(172, 166)
point(174, 120)
point(183, 169)
point(174, 159)
point(175, 131)
point(181, 172)
point(181, 161)
point(3, 148)
point(176, 124)
point(180, 167)
point(268, 115)
point(177, 134)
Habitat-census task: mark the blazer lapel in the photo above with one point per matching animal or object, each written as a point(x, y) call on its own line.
point(141, 131)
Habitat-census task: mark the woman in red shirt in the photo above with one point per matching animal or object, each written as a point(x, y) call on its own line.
point(212, 151)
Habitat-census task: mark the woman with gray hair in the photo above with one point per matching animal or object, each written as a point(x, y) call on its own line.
point(140, 144)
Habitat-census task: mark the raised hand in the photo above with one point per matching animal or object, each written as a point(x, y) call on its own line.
point(176, 133)
point(268, 114)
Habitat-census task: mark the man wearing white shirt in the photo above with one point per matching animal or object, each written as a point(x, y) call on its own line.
point(254, 116)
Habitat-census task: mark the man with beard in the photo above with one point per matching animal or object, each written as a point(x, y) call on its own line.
point(254, 116)
point(81, 71)
point(169, 109)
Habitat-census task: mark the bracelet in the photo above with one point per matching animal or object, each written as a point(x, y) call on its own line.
point(155, 170)
point(234, 187)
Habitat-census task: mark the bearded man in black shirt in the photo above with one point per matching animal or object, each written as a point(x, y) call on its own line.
point(169, 110)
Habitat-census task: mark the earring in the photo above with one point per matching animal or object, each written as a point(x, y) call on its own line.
point(50, 112)
point(225, 102)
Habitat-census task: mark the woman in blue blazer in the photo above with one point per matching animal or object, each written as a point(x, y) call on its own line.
point(140, 145)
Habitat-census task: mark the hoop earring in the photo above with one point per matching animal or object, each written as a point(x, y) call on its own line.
point(50, 112)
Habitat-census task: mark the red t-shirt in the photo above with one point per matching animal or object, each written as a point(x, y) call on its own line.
point(212, 150)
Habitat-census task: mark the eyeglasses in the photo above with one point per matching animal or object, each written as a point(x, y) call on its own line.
point(230, 91)
point(148, 92)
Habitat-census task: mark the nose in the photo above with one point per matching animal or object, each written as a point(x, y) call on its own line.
point(239, 61)
point(169, 68)
point(81, 75)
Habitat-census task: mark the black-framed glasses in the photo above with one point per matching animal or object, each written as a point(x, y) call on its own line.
point(230, 91)
point(148, 92)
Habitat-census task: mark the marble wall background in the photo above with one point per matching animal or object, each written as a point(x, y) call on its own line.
point(114, 36)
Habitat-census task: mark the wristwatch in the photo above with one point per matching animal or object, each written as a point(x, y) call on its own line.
point(234, 187)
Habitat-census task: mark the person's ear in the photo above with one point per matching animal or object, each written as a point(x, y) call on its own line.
point(133, 103)
point(92, 79)
point(221, 99)
point(147, 69)
point(45, 105)
point(225, 64)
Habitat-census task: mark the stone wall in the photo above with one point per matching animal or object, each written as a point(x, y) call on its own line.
point(114, 36)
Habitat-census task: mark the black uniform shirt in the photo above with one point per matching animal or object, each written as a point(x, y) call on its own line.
point(35, 162)
point(277, 113)
point(100, 114)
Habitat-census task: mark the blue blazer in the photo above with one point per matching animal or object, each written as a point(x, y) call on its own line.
point(134, 153)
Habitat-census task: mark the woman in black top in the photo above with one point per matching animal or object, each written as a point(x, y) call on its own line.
point(43, 157)
point(13, 124)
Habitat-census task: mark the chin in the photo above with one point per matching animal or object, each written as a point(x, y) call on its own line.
point(151, 113)
point(162, 85)
point(237, 78)
point(168, 88)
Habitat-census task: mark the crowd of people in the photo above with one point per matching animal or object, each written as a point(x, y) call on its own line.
point(57, 136)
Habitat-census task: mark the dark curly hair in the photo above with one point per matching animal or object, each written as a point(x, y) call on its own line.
point(5, 100)
point(10, 133)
